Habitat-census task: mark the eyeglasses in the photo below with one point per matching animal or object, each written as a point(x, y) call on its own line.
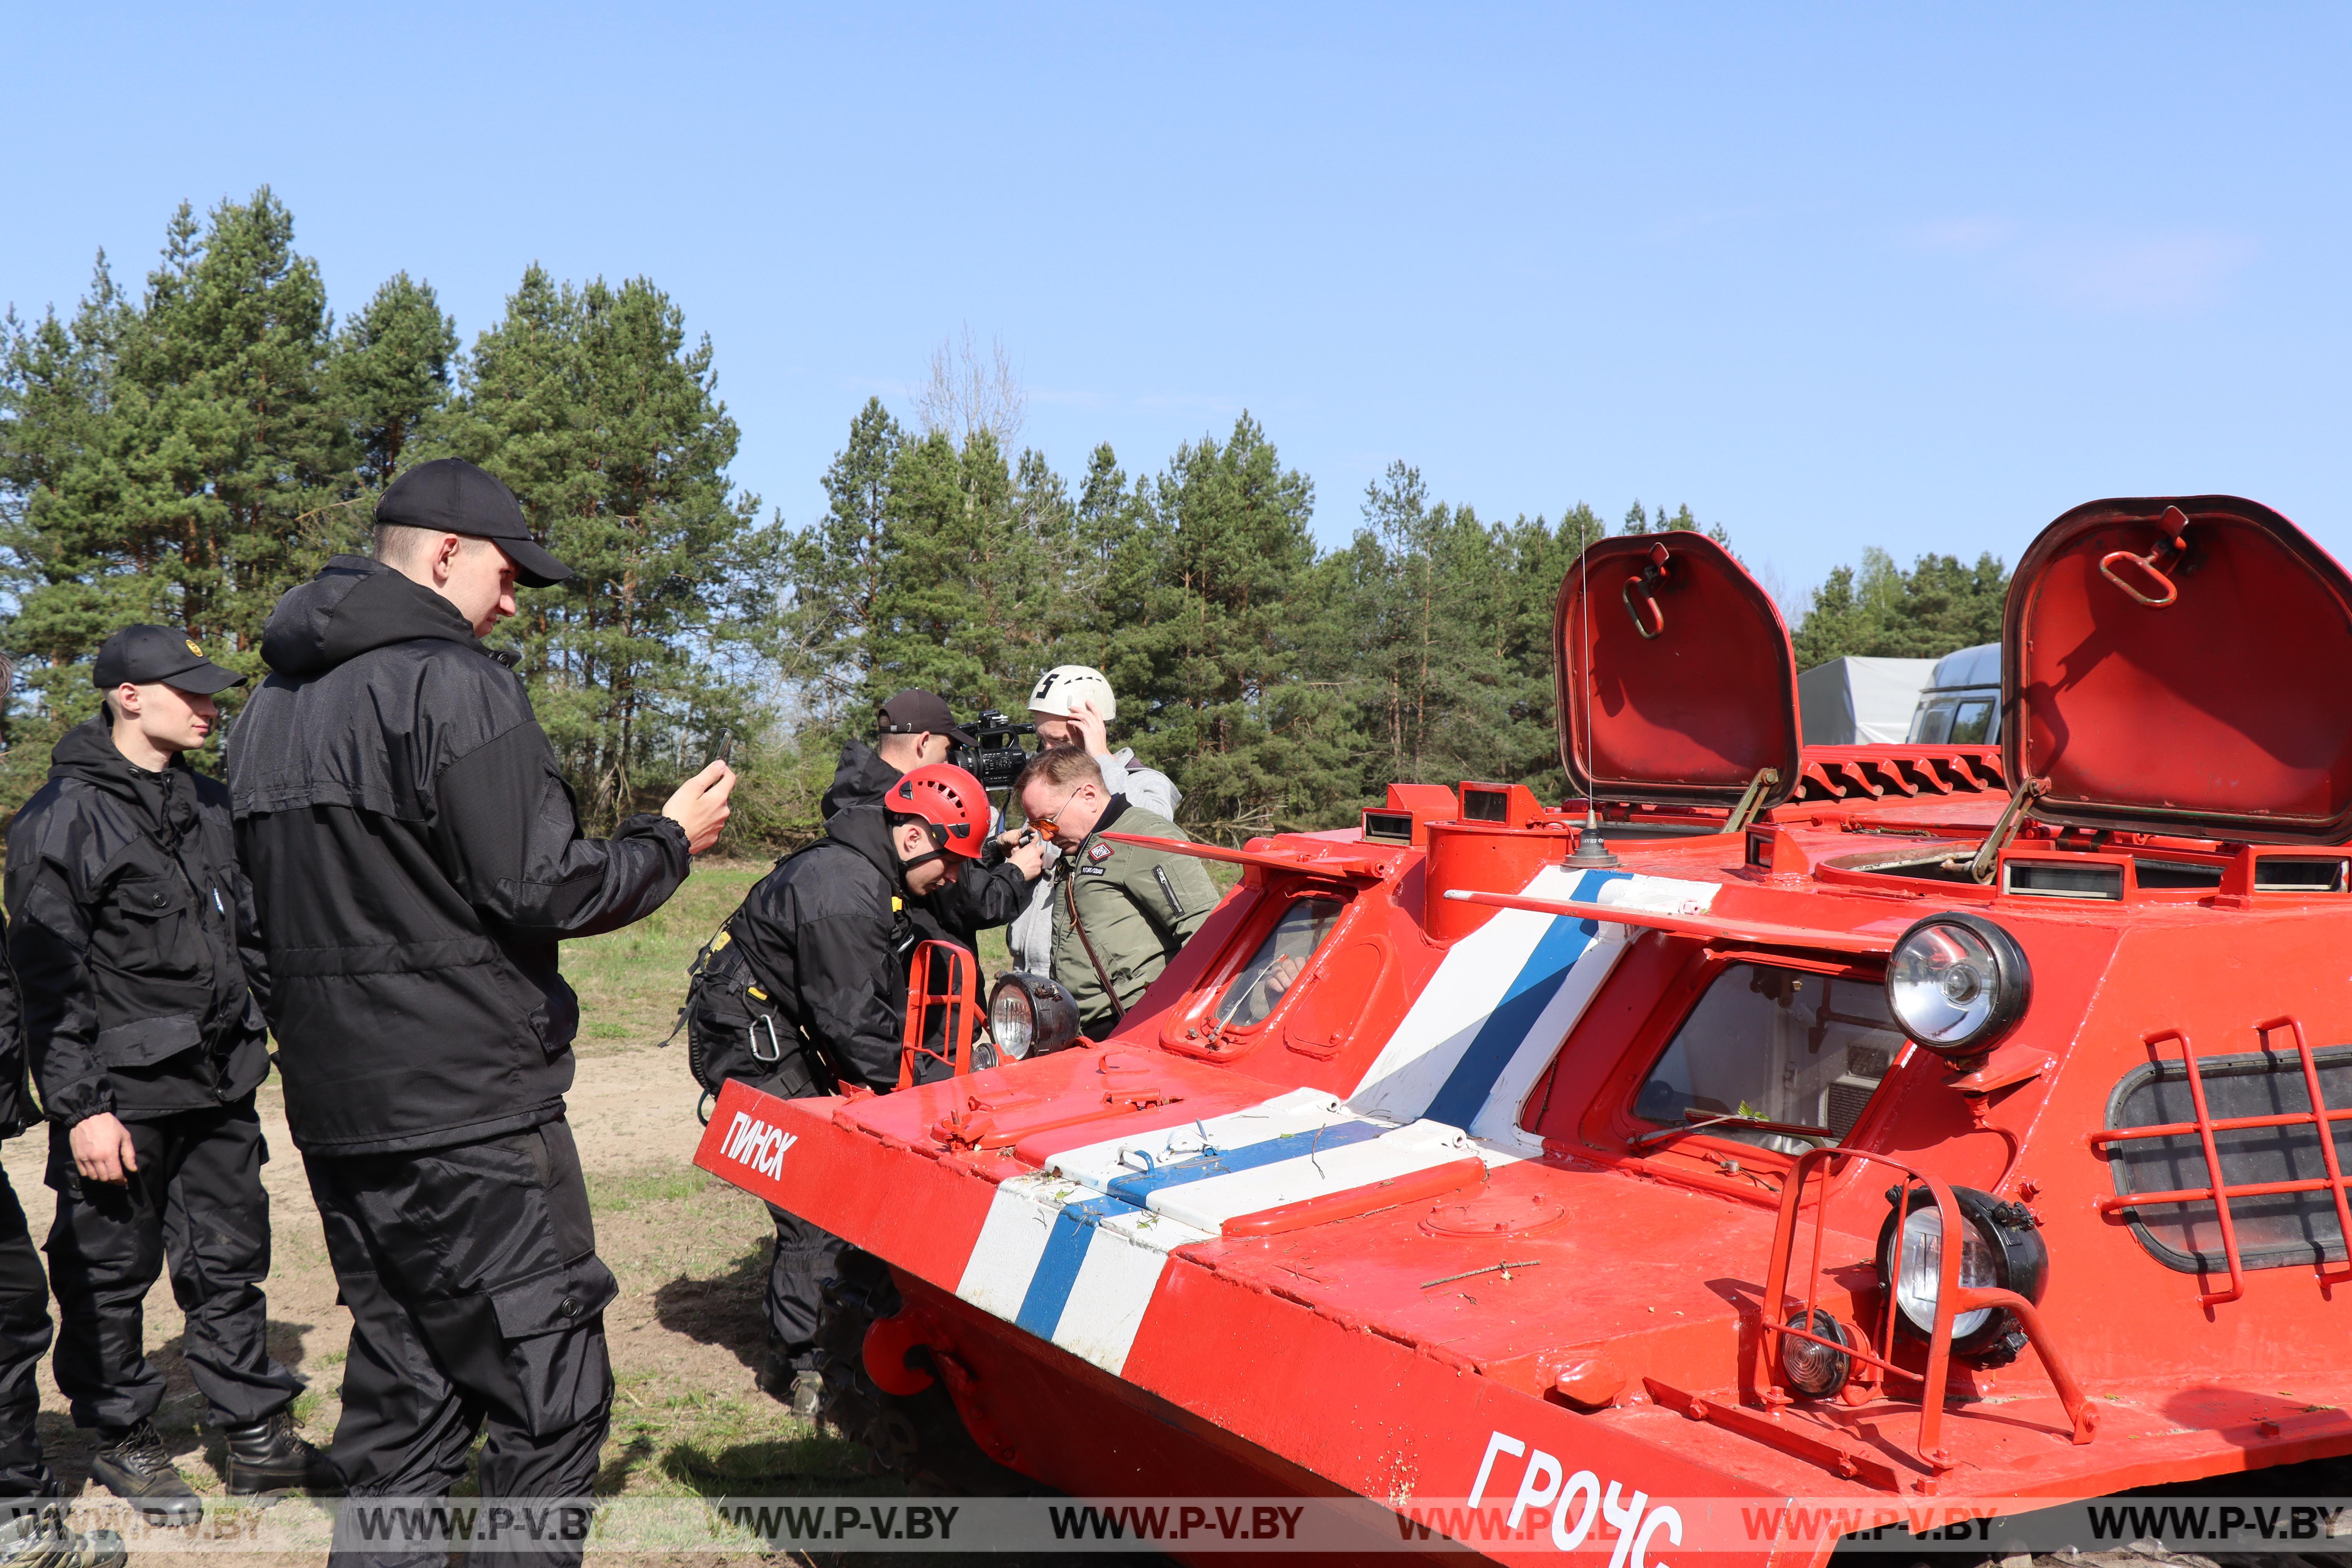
point(1048, 823)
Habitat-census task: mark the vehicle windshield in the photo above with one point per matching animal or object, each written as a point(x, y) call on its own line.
point(1773, 1043)
point(1972, 723)
point(1277, 962)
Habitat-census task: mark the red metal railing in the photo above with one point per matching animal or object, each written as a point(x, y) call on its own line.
point(961, 1007)
point(2218, 1192)
point(1951, 1301)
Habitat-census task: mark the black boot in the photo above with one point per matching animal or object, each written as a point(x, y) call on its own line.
point(41, 1540)
point(800, 1388)
point(270, 1457)
point(132, 1464)
point(774, 1373)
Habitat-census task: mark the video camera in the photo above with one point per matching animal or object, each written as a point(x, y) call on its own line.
point(996, 756)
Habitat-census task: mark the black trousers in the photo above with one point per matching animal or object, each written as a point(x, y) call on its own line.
point(24, 1335)
point(476, 1299)
point(806, 1255)
point(196, 1200)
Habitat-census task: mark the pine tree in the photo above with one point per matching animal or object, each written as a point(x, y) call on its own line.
point(1883, 612)
point(167, 455)
point(1216, 569)
point(837, 568)
point(591, 406)
point(971, 605)
point(393, 363)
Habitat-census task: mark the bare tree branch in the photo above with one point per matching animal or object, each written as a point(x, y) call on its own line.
point(968, 393)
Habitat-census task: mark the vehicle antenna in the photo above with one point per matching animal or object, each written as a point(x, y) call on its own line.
point(1589, 850)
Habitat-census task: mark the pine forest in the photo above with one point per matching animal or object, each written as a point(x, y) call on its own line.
point(185, 450)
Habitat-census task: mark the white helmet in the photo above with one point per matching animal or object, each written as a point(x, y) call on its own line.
point(1064, 684)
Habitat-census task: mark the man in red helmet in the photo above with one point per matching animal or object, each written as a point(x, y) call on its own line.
point(824, 941)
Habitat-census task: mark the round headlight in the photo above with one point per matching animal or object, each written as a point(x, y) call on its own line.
point(1957, 983)
point(1029, 1015)
point(2001, 1249)
point(1011, 1020)
point(1816, 1370)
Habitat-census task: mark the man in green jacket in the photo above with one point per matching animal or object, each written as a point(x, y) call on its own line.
point(1120, 911)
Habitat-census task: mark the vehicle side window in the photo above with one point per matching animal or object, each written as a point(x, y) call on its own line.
point(1775, 1045)
point(1933, 727)
point(1972, 722)
point(1275, 966)
point(2275, 1230)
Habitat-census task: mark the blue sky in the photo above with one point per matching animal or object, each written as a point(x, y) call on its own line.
point(1908, 276)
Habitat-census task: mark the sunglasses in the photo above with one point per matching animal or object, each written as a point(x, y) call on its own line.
point(1047, 824)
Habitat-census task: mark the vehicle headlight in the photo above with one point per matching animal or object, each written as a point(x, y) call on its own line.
point(2001, 1249)
point(1814, 1370)
point(1957, 983)
point(1029, 1015)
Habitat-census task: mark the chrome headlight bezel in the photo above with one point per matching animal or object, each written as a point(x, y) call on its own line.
point(1030, 1015)
point(2013, 1252)
point(1990, 960)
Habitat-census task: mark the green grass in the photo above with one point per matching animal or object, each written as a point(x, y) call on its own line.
point(632, 982)
point(619, 1192)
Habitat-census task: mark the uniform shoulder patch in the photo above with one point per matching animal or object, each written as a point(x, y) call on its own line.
point(1100, 851)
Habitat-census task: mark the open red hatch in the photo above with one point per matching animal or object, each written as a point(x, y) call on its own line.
point(1676, 682)
point(2183, 665)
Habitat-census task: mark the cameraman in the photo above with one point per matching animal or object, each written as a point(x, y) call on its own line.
point(1073, 705)
point(916, 730)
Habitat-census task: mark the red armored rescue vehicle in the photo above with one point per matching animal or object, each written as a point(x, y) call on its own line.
point(1588, 1159)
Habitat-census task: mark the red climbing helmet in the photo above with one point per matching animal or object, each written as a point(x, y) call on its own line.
point(948, 799)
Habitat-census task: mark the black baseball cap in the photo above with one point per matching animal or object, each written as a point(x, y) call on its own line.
point(917, 712)
point(145, 654)
point(449, 494)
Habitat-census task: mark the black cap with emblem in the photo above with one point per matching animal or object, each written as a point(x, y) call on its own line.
point(146, 655)
point(450, 495)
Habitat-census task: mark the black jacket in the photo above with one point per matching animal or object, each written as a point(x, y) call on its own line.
point(18, 1109)
point(133, 934)
point(828, 936)
point(416, 855)
point(982, 898)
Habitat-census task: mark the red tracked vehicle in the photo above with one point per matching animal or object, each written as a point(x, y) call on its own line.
point(1547, 1174)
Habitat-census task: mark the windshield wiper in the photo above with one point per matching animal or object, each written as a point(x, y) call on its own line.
point(1820, 1137)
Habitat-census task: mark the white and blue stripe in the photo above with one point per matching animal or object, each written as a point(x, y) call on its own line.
point(1075, 1253)
point(1488, 1021)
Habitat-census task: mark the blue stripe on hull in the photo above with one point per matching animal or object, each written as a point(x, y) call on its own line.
point(1532, 990)
point(1057, 1269)
point(1139, 1187)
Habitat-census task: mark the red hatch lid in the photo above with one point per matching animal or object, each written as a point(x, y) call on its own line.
point(1679, 685)
point(2179, 665)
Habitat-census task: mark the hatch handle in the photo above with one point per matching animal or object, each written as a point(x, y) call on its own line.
point(2166, 590)
point(2174, 544)
point(1649, 615)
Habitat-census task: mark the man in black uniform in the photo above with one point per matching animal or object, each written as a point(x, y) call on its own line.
point(825, 937)
point(24, 1289)
point(416, 855)
point(913, 730)
point(134, 937)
